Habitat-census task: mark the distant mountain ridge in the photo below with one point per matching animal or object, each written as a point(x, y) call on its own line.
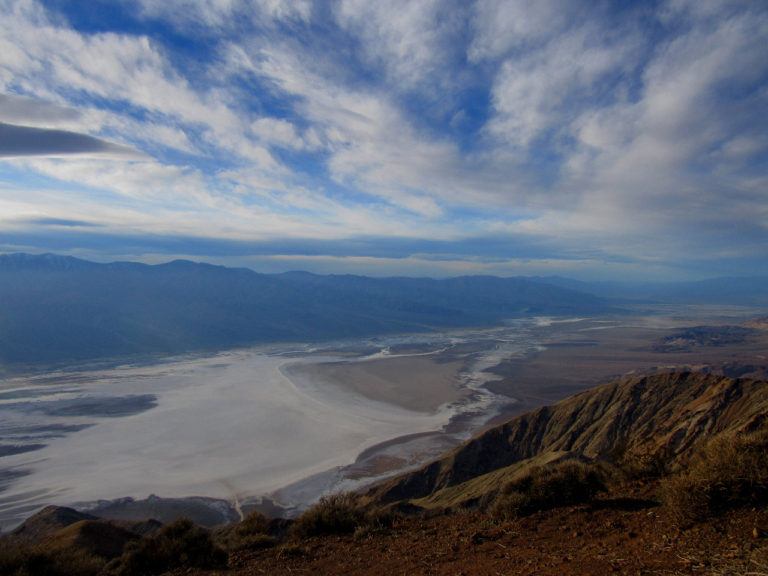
point(744, 291)
point(59, 309)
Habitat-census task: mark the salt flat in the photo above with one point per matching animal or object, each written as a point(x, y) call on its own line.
point(293, 422)
point(231, 426)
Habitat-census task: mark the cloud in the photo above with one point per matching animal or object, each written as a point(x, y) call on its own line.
point(613, 133)
point(58, 222)
point(412, 42)
point(31, 112)
point(28, 141)
point(215, 14)
point(500, 26)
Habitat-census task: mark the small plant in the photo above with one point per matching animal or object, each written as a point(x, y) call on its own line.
point(180, 543)
point(641, 463)
point(335, 514)
point(250, 534)
point(338, 514)
point(37, 561)
point(546, 487)
point(726, 473)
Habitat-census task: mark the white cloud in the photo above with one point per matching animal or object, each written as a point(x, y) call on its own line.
point(502, 25)
point(410, 41)
point(537, 92)
point(658, 154)
point(130, 70)
point(284, 134)
point(225, 13)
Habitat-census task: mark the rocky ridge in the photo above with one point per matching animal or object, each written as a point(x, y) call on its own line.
point(667, 415)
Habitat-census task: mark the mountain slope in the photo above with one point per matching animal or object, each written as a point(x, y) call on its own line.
point(57, 309)
point(665, 414)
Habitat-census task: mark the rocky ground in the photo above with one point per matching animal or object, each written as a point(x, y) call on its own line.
point(626, 531)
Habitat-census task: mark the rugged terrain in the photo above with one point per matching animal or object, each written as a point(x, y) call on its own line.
point(665, 416)
point(675, 476)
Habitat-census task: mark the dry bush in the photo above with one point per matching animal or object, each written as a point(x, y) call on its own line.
point(726, 473)
point(337, 514)
point(38, 561)
point(642, 463)
point(547, 487)
point(180, 543)
point(250, 534)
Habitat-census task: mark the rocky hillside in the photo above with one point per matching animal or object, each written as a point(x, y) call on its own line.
point(664, 416)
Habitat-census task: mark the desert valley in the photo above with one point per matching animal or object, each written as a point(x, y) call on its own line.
point(267, 431)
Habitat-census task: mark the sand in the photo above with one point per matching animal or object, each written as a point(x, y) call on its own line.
point(414, 383)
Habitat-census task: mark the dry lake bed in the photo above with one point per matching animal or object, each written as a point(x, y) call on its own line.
point(276, 427)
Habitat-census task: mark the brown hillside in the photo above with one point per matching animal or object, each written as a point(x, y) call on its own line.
point(665, 414)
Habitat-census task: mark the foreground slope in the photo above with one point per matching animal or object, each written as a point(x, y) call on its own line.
point(668, 415)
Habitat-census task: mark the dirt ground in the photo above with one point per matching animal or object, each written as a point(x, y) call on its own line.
point(624, 532)
point(581, 355)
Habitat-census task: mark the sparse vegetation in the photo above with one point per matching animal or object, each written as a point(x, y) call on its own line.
point(547, 487)
point(337, 514)
point(728, 472)
point(250, 534)
point(38, 561)
point(639, 463)
point(180, 543)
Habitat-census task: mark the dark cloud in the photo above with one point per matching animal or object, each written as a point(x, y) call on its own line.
point(21, 110)
point(59, 222)
point(28, 141)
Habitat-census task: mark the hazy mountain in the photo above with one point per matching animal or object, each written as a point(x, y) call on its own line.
point(748, 291)
point(57, 308)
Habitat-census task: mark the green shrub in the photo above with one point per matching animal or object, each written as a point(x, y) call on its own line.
point(180, 544)
point(546, 487)
point(726, 473)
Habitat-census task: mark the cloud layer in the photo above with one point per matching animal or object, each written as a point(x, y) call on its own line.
point(435, 137)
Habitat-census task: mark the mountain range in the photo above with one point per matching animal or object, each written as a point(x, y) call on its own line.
point(57, 309)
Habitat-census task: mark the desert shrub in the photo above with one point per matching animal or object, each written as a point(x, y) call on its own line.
point(180, 543)
point(335, 514)
point(37, 561)
point(250, 534)
point(338, 514)
point(725, 473)
point(546, 487)
point(636, 463)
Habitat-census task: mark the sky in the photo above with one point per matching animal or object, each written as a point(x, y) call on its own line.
point(595, 140)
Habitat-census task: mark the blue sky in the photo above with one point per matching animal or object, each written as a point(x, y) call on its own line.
point(596, 140)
